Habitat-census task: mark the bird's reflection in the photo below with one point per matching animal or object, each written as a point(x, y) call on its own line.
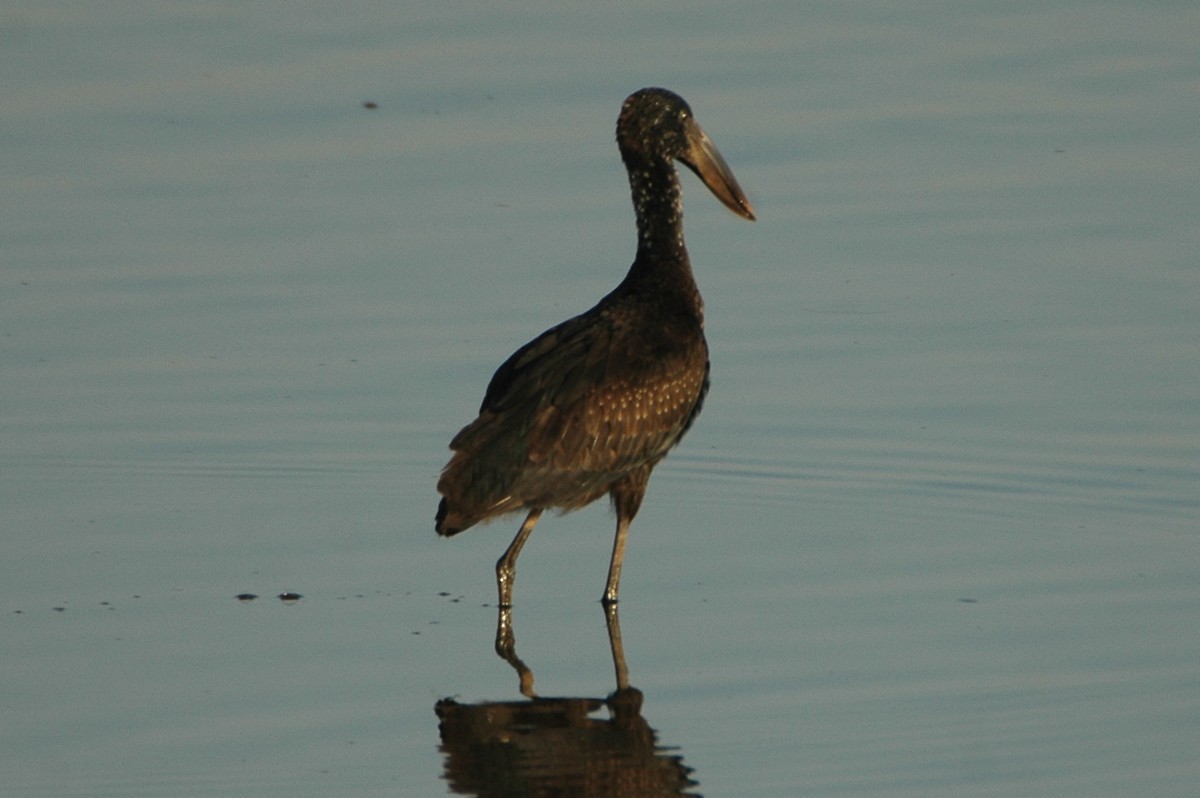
point(553, 746)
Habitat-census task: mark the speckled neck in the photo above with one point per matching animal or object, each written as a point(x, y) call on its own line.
point(658, 205)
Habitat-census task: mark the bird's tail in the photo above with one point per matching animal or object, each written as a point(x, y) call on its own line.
point(447, 523)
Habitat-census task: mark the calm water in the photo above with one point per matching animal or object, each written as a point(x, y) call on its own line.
point(935, 533)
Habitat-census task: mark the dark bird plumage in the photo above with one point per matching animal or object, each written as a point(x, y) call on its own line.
point(590, 406)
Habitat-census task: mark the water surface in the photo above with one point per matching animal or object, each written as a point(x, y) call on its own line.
point(934, 534)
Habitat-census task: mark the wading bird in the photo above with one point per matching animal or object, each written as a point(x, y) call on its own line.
point(590, 406)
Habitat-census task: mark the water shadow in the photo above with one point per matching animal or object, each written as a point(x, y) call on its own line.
point(553, 746)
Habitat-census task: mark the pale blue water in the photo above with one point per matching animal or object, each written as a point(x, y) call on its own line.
point(934, 534)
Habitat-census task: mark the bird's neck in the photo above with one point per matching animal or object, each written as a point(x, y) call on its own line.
point(658, 205)
point(661, 268)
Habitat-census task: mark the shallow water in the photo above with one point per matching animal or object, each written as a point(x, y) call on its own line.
point(934, 534)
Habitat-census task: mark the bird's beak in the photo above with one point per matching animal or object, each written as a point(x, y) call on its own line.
point(703, 158)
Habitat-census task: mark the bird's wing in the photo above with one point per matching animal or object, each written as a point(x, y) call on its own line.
point(555, 364)
point(586, 403)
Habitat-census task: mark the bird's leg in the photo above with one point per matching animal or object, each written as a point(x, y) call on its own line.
point(506, 566)
point(506, 647)
point(614, 565)
point(617, 647)
point(627, 498)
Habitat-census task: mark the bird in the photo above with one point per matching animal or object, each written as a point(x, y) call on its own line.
point(593, 404)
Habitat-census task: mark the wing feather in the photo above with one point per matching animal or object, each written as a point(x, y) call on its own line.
point(573, 411)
